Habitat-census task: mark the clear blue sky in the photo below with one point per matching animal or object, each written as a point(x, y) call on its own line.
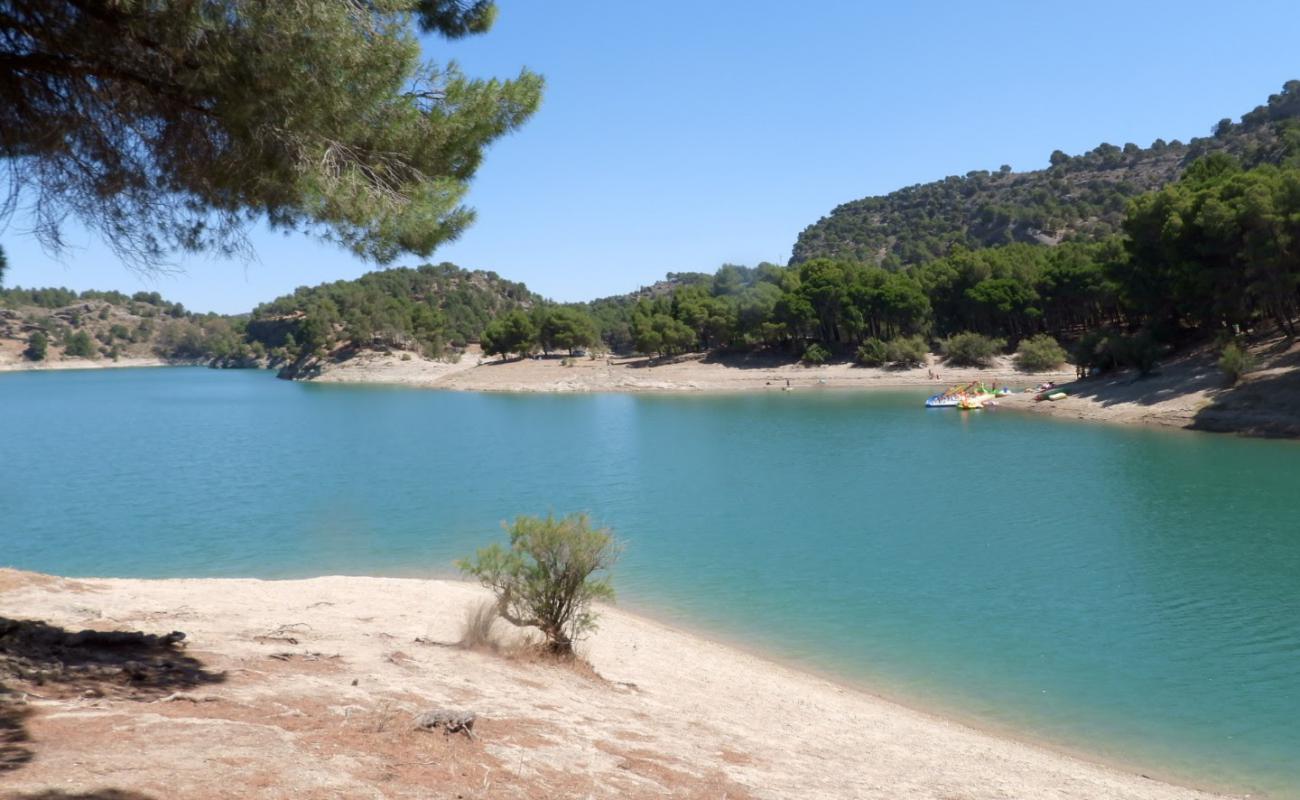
point(681, 136)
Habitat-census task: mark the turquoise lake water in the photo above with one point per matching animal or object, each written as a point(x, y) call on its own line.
point(1131, 593)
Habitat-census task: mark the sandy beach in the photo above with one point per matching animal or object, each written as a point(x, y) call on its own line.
point(308, 689)
point(1187, 391)
point(1190, 392)
point(690, 373)
point(23, 365)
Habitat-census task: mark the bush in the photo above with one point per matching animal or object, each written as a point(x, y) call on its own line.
point(971, 349)
point(1094, 351)
point(37, 346)
point(1140, 351)
point(476, 633)
point(79, 345)
point(1040, 354)
point(1109, 349)
point(907, 351)
point(544, 580)
point(1235, 361)
point(872, 353)
point(816, 354)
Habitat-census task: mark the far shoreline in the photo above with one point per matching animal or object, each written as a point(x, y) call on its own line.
point(1185, 393)
point(92, 364)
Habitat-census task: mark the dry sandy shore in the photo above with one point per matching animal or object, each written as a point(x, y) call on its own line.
point(17, 364)
point(695, 373)
point(1186, 392)
point(307, 689)
point(1190, 392)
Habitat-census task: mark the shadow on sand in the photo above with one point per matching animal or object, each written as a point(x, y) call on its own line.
point(94, 794)
point(47, 660)
point(1263, 405)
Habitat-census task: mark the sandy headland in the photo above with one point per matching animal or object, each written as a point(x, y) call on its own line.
point(309, 689)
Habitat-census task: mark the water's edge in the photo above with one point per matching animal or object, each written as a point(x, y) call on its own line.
point(930, 708)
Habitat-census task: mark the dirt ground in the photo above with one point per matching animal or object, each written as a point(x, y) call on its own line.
point(309, 689)
point(691, 373)
point(1191, 392)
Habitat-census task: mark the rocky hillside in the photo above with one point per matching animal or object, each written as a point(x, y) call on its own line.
point(432, 310)
point(1081, 197)
point(52, 325)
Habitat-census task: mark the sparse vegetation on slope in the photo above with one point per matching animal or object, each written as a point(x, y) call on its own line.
point(1077, 197)
point(54, 323)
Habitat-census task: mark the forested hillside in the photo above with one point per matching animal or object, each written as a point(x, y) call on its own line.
point(1078, 197)
point(1212, 256)
point(1128, 275)
point(424, 309)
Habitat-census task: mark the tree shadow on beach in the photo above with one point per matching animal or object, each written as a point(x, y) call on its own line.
point(94, 794)
point(761, 359)
point(15, 750)
point(1174, 379)
point(54, 663)
point(1265, 406)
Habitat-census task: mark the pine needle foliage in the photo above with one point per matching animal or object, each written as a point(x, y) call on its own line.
point(172, 126)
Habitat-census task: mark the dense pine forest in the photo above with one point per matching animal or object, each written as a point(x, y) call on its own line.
point(1117, 256)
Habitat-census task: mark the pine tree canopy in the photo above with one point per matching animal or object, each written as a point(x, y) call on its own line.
point(170, 127)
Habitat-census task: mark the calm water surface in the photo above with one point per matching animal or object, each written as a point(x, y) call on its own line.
point(1132, 593)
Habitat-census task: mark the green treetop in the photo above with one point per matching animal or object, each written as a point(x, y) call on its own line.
point(512, 333)
point(565, 328)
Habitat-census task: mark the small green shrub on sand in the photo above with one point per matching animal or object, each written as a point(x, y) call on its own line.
point(971, 349)
point(816, 354)
point(908, 351)
point(549, 576)
point(872, 353)
point(1040, 354)
point(1235, 361)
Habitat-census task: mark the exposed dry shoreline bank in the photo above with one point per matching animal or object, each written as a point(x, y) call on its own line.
point(1190, 392)
point(23, 365)
point(306, 688)
point(691, 373)
point(1185, 392)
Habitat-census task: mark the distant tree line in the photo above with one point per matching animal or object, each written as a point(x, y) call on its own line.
point(546, 327)
point(60, 298)
point(1215, 253)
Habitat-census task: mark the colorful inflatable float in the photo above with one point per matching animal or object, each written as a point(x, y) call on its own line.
point(970, 396)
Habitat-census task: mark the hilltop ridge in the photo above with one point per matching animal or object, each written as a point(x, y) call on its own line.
point(1081, 197)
